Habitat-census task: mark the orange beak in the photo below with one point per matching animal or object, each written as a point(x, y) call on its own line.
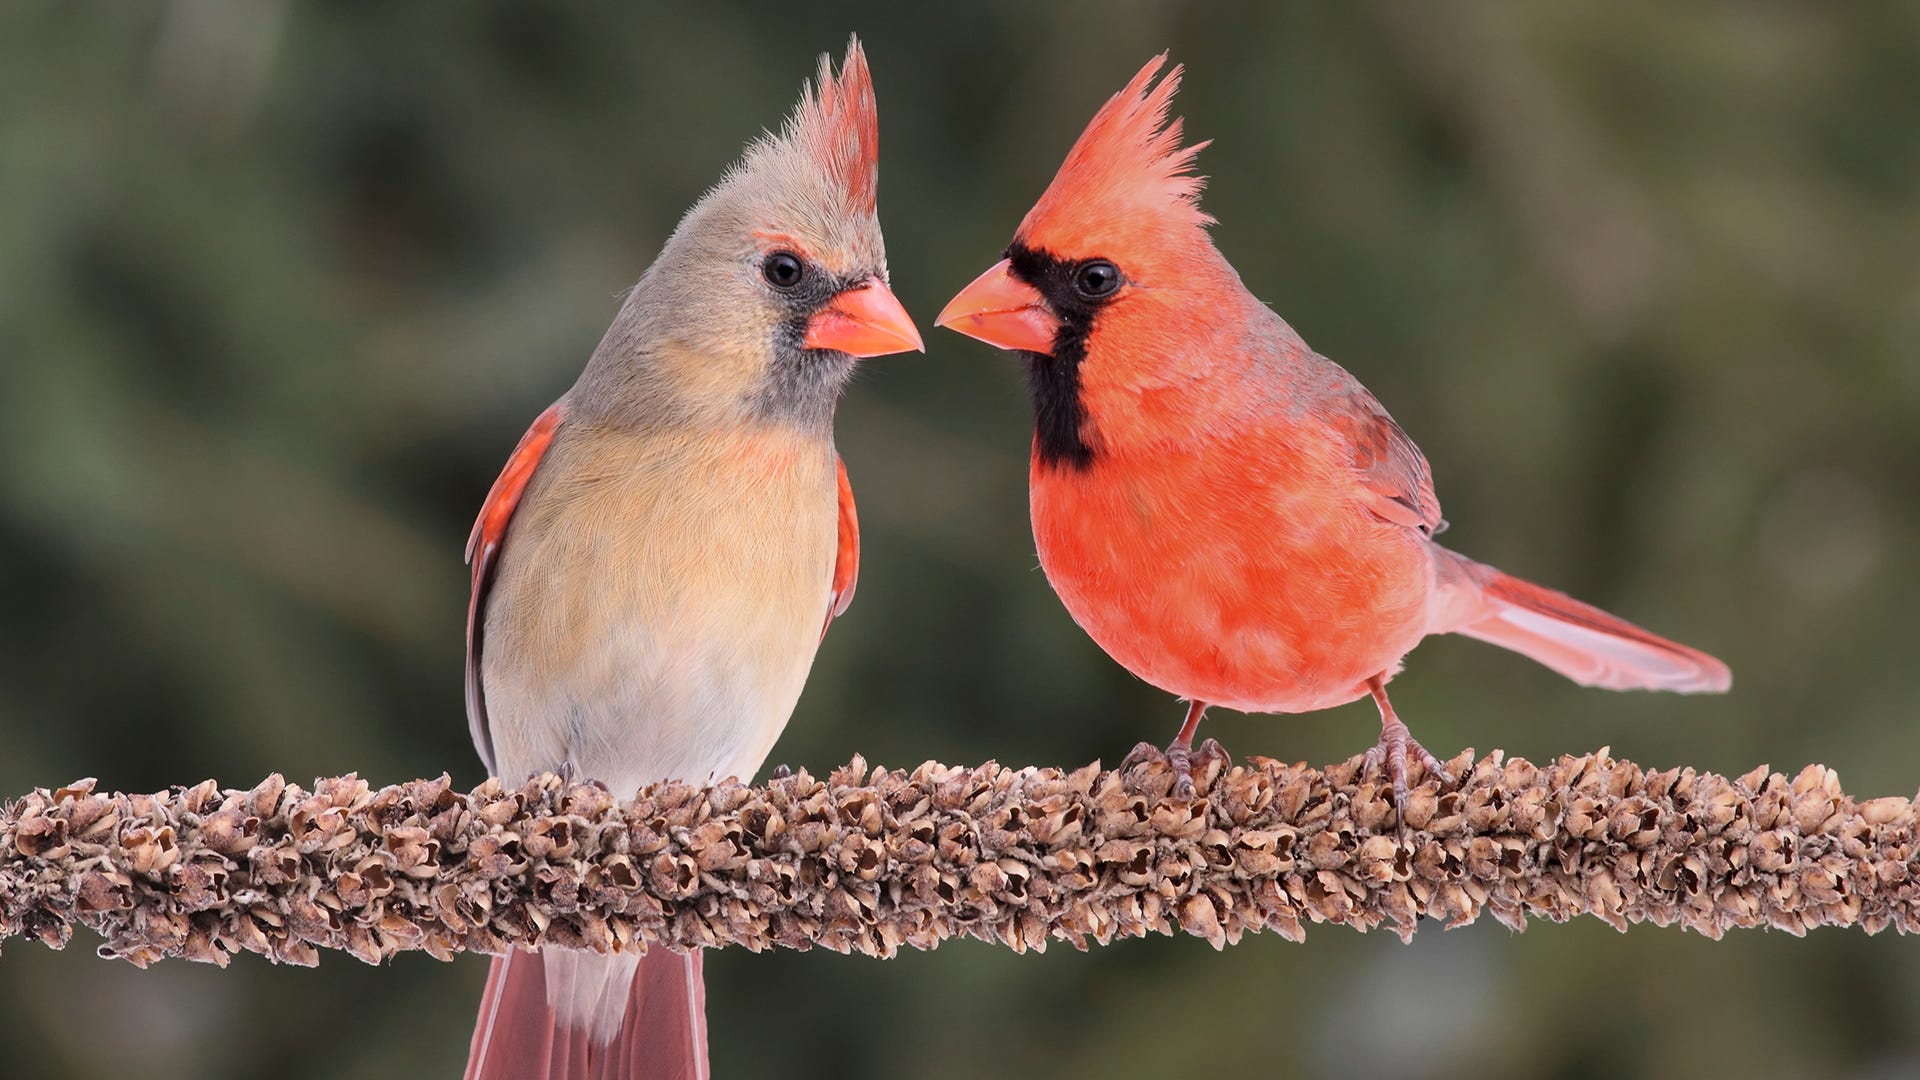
point(864, 321)
point(1002, 311)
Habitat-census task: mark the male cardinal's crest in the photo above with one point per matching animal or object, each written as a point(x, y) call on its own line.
point(1127, 169)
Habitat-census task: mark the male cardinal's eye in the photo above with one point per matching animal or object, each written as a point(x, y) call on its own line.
point(783, 269)
point(1096, 279)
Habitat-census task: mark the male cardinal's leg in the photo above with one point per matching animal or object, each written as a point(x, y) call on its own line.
point(1180, 754)
point(1395, 742)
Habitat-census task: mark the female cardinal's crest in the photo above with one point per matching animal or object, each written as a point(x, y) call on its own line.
point(837, 125)
point(1127, 166)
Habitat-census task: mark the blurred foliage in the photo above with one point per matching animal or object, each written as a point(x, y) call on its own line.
point(281, 285)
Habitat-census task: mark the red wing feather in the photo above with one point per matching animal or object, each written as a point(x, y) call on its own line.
point(483, 552)
point(846, 559)
point(1394, 473)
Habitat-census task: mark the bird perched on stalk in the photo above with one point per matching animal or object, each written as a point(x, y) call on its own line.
point(656, 566)
point(1230, 515)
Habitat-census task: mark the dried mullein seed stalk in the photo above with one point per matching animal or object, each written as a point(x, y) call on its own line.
point(870, 860)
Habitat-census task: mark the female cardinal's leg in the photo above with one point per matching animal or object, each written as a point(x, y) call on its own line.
point(1395, 742)
point(1180, 753)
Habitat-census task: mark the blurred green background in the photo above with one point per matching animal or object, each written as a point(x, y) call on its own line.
point(280, 286)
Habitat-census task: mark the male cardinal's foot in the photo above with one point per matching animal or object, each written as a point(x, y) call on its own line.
point(1182, 759)
point(780, 772)
point(1390, 755)
point(1145, 752)
point(1180, 754)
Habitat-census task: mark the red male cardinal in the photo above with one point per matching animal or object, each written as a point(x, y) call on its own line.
point(655, 568)
point(1232, 516)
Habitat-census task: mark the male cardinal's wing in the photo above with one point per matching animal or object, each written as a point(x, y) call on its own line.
point(1395, 481)
point(483, 552)
point(846, 558)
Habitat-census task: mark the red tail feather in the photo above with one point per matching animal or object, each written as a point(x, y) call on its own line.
point(1577, 640)
point(662, 1033)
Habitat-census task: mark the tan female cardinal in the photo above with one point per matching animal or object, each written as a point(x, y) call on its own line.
point(655, 568)
point(1232, 516)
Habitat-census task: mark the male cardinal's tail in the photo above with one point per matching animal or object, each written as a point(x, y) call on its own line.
point(559, 1015)
point(1577, 640)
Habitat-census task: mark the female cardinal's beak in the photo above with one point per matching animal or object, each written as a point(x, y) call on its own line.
point(1002, 311)
point(864, 321)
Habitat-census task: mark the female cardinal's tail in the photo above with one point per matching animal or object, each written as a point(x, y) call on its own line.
point(559, 1015)
point(1577, 640)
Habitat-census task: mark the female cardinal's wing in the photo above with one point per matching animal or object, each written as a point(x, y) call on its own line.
point(846, 558)
point(1395, 480)
point(483, 553)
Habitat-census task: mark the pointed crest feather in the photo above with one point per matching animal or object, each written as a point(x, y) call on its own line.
point(1127, 164)
point(837, 126)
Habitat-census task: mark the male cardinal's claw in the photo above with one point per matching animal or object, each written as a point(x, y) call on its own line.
point(1389, 755)
point(1210, 750)
point(780, 772)
point(1144, 751)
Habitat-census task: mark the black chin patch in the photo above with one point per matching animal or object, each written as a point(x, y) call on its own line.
point(1058, 412)
point(1059, 409)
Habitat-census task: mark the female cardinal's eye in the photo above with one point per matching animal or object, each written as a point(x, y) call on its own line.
point(783, 269)
point(1096, 279)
